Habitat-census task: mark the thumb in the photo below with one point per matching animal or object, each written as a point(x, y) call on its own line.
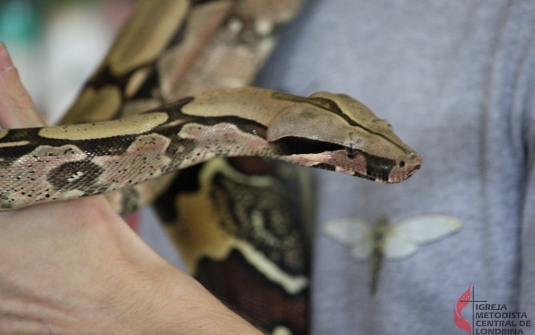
point(17, 109)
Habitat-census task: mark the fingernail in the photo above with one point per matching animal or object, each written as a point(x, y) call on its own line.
point(5, 59)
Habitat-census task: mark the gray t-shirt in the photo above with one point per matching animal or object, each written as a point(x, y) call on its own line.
point(456, 80)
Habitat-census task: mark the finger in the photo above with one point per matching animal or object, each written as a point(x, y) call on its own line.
point(17, 109)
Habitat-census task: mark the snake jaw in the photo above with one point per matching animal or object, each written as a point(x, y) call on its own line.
point(361, 165)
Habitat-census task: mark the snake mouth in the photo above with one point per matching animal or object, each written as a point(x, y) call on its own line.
point(339, 158)
point(413, 170)
point(397, 176)
point(293, 145)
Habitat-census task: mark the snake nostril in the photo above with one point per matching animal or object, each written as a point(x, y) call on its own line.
point(401, 163)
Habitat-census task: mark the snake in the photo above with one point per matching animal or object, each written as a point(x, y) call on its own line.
point(328, 131)
point(166, 99)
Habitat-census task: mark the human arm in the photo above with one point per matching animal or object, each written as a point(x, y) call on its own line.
point(76, 267)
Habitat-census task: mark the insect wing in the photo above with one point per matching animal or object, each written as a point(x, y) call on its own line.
point(403, 238)
point(355, 233)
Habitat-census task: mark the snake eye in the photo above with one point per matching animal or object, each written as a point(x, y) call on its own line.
point(351, 150)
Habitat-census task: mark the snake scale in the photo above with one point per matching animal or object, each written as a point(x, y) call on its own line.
point(127, 132)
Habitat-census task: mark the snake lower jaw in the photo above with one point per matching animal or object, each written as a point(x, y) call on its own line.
point(363, 166)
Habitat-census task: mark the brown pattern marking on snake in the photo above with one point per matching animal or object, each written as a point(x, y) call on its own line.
point(230, 140)
point(145, 158)
point(26, 180)
point(263, 217)
point(117, 90)
point(78, 175)
point(257, 299)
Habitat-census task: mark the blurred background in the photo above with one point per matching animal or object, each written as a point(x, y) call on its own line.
point(56, 45)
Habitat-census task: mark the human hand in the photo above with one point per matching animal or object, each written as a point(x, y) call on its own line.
point(75, 266)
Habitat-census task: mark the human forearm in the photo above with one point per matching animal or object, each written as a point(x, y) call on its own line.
point(76, 268)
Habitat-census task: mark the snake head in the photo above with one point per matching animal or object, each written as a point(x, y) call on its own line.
point(336, 132)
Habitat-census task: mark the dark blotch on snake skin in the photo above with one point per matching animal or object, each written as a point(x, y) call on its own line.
point(146, 91)
point(130, 200)
point(178, 37)
point(257, 297)
point(277, 233)
point(79, 175)
point(187, 181)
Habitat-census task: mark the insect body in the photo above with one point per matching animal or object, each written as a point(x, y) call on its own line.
point(392, 242)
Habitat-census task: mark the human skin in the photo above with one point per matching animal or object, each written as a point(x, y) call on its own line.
point(75, 267)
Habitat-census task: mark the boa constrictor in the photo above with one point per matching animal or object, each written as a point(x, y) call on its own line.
point(328, 131)
point(171, 49)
